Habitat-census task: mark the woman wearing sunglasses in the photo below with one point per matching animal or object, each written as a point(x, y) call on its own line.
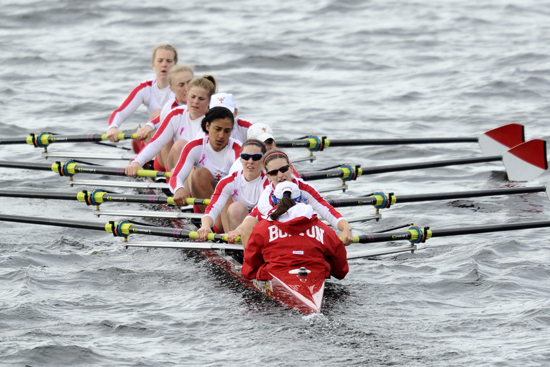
point(212, 156)
point(236, 194)
point(292, 236)
point(279, 169)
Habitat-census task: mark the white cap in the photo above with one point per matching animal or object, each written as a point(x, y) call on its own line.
point(287, 186)
point(260, 131)
point(223, 100)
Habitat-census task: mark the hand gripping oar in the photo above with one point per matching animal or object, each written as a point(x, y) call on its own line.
point(70, 168)
point(43, 139)
point(97, 197)
point(522, 163)
point(122, 228)
point(492, 142)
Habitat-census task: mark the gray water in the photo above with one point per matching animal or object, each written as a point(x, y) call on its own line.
point(344, 69)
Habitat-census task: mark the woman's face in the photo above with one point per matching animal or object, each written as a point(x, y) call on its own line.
point(275, 164)
point(180, 85)
point(197, 102)
point(219, 132)
point(164, 60)
point(251, 168)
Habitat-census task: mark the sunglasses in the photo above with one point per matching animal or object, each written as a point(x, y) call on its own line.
point(255, 157)
point(282, 169)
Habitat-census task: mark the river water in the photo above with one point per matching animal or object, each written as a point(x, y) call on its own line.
point(344, 69)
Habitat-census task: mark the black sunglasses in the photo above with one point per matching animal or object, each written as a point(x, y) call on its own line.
point(255, 157)
point(283, 169)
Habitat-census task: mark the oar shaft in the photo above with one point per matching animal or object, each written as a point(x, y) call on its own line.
point(468, 194)
point(52, 222)
point(444, 163)
point(362, 142)
point(73, 168)
point(45, 139)
point(486, 229)
point(97, 197)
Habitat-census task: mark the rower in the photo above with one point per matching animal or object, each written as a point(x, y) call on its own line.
point(153, 93)
point(279, 169)
point(212, 156)
point(236, 194)
point(179, 78)
point(262, 132)
point(241, 126)
point(180, 126)
point(293, 237)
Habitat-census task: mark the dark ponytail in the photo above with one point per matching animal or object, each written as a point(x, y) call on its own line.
point(283, 206)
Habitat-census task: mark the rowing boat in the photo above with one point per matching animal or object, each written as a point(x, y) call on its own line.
point(301, 289)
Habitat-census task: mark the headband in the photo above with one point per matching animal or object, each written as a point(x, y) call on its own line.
point(262, 147)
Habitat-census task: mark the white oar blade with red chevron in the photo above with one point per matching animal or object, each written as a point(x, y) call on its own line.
point(526, 161)
point(499, 140)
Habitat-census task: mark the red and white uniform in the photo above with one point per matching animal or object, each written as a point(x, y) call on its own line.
point(240, 130)
point(177, 125)
point(199, 153)
point(148, 94)
point(236, 187)
point(309, 196)
point(298, 238)
point(168, 106)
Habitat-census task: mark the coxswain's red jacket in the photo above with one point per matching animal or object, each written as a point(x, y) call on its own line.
point(298, 238)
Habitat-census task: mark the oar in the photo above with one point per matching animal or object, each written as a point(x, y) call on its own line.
point(42, 140)
point(379, 199)
point(382, 200)
point(121, 228)
point(98, 197)
point(71, 168)
point(492, 142)
point(522, 163)
point(417, 234)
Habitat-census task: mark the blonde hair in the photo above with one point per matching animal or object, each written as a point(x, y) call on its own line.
point(208, 82)
point(168, 48)
point(178, 69)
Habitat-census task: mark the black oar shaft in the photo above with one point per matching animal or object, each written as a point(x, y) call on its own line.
point(51, 138)
point(362, 142)
point(29, 165)
point(52, 222)
point(458, 231)
point(444, 163)
point(486, 229)
point(468, 194)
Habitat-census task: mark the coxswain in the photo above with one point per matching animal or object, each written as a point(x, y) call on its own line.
point(236, 194)
point(279, 169)
point(152, 93)
point(211, 155)
point(292, 237)
point(180, 126)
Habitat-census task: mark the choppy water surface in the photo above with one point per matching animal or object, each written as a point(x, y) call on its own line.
point(337, 68)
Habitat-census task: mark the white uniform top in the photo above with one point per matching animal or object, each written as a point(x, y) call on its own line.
point(239, 132)
point(168, 106)
point(236, 187)
point(199, 153)
point(177, 125)
point(148, 94)
point(309, 196)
